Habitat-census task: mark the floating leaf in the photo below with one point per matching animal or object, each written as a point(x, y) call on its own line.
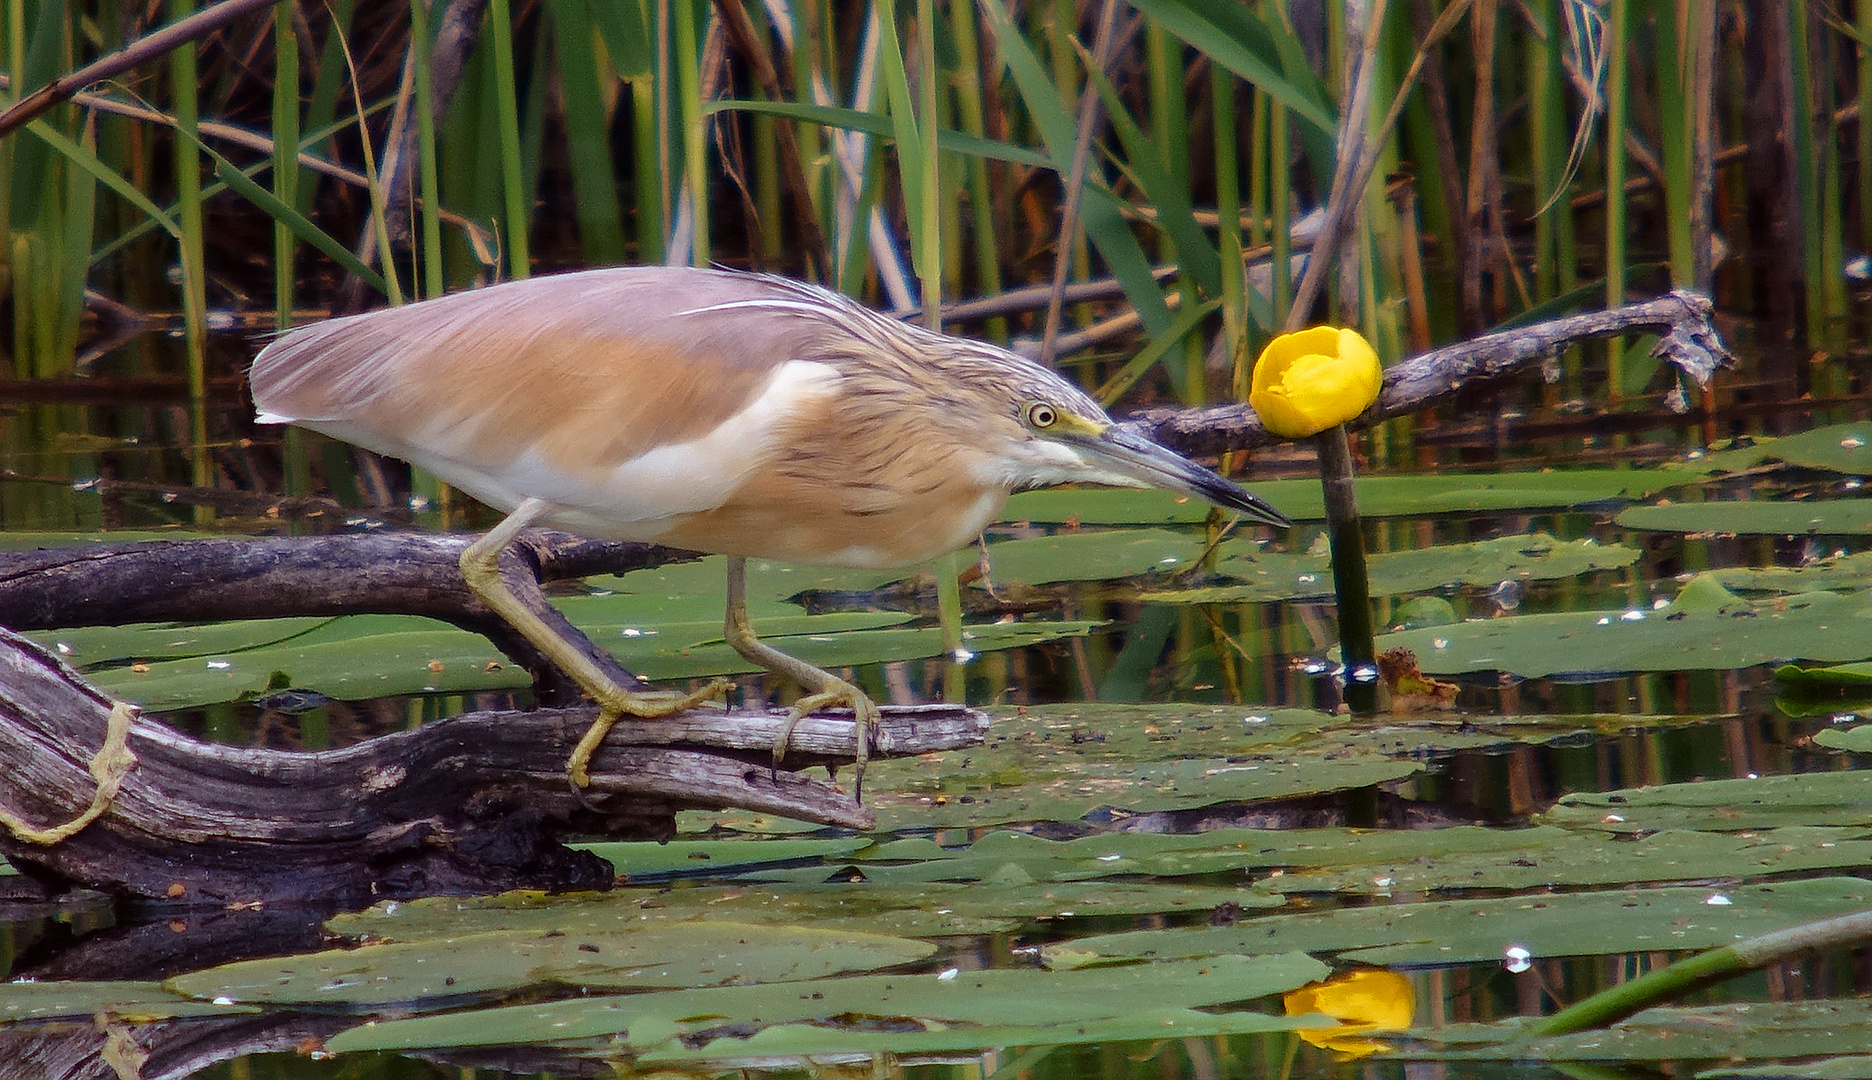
point(1843, 448)
point(98, 647)
point(811, 1040)
point(652, 955)
point(1751, 1031)
point(356, 657)
point(1022, 997)
point(1706, 628)
point(1378, 496)
point(1854, 740)
point(1576, 860)
point(635, 861)
point(1839, 676)
point(1756, 517)
point(1092, 556)
point(1471, 931)
point(132, 1001)
point(1840, 572)
point(1279, 575)
point(1754, 802)
point(1058, 763)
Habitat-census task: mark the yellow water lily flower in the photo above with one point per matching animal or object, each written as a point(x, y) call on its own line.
point(1364, 1002)
point(1310, 380)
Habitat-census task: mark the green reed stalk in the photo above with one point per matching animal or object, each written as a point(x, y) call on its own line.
point(930, 265)
point(77, 223)
point(506, 108)
point(1170, 132)
point(294, 461)
point(971, 118)
point(1618, 108)
point(1863, 129)
point(285, 160)
point(1677, 116)
point(688, 45)
point(1806, 180)
point(1547, 145)
point(646, 155)
point(1280, 213)
point(1259, 196)
point(587, 139)
point(321, 110)
point(183, 76)
point(434, 282)
point(1228, 219)
point(1830, 237)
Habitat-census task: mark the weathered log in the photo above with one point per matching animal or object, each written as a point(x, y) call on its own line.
point(349, 574)
point(475, 803)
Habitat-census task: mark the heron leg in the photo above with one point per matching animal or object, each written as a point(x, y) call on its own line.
point(824, 688)
point(480, 568)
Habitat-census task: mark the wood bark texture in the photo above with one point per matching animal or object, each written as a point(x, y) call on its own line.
point(474, 803)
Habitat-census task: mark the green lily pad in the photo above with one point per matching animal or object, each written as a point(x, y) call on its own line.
point(1733, 1033)
point(1856, 1067)
point(1092, 556)
point(93, 646)
point(1855, 740)
point(666, 954)
point(847, 649)
point(1001, 856)
point(1471, 931)
point(1058, 763)
point(1278, 575)
point(131, 1001)
point(1378, 496)
point(647, 859)
point(1755, 802)
point(924, 911)
point(1705, 628)
point(805, 1041)
point(1843, 448)
point(1821, 517)
point(31, 540)
point(1839, 676)
point(1028, 997)
point(1559, 859)
point(1840, 572)
point(356, 657)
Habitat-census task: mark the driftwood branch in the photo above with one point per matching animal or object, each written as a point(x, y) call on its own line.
point(1683, 320)
point(469, 804)
point(351, 574)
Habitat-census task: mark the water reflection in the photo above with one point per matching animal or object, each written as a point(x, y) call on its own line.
point(116, 464)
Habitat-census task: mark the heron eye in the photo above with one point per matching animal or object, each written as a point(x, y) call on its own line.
point(1042, 415)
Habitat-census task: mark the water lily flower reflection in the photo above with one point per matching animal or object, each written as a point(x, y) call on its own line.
point(1364, 1002)
point(1311, 380)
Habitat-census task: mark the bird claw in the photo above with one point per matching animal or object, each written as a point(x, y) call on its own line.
point(864, 725)
point(614, 706)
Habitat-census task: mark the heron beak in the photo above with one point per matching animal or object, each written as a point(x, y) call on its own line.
point(1126, 452)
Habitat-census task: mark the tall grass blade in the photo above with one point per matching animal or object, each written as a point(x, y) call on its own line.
point(588, 148)
point(519, 217)
point(182, 74)
point(1104, 220)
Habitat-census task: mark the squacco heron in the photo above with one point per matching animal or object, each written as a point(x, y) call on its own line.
point(740, 414)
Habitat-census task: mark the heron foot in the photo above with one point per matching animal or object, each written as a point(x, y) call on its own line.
point(836, 692)
point(615, 703)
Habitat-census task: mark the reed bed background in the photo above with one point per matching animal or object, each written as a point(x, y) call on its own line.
point(1130, 189)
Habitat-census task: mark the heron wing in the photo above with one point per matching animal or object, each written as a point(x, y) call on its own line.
point(576, 388)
